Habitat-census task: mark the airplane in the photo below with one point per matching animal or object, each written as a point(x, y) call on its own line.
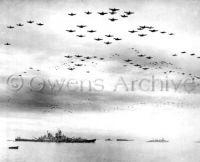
point(112, 19)
point(98, 39)
point(142, 35)
point(71, 69)
point(7, 44)
point(140, 28)
point(78, 55)
point(149, 57)
point(132, 31)
point(112, 13)
point(91, 31)
point(30, 21)
point(109, 35)
point(117, 39)
point(141, 55)
point(128, 12)
point(68, 56)
point(88, 12)
point(81, 26)
point(102, 13)
point(71, 14)
point(40, 24)
point(78, 64)
point(107, 43)
point(80, 36)
point(10, 27)
point(114, 9)
point(128, 60)
point(153, 30)
point(124, 16)
point(88, 57)
point(70, 31)
point(163, 32)
point(19, 24)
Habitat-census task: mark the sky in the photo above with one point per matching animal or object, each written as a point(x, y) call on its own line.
point(102, 97)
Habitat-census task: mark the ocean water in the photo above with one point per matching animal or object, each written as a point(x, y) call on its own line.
point(101, 151)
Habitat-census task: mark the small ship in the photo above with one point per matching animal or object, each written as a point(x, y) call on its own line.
point(124, 139)
point(162, 140)
point(58, 138)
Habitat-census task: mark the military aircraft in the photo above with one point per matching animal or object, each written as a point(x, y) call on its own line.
point(117, 39)
point(142, 35)
point(141, 55)
point(107, 43)
point(40, 24)
point(71, 31)
point(149, 57)
point(81, 26)
point(10, 27)
point(124, 16)
point(88, 57)
point(102, 13)
point(112, 13)
point(68, 56)
point(30, 21)
point(153, 30)
point(128, 12)
point(98, 39)
point(112, 19)
point(114, 9)
point(132, 31)
point(71, 14)
point(19, 24)
point(88, 12)
point(78, 64)
point(81, 36)
point(91, 31)
point(71, 69)
point(128, 60)
point(78, 56)
point(109, 35)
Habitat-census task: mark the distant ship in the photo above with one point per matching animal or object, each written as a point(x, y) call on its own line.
point(58, 138)
point(124, 140)
point(13, 147)
point(162, 140)
point(108, 139)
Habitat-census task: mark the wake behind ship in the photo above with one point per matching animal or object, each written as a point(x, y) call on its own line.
point(58, 138)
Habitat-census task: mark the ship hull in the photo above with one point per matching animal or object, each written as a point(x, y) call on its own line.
point(63, 141)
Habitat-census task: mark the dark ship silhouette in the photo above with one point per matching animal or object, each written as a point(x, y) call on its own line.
point(58, 138)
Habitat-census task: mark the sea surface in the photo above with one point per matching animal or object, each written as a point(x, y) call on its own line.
point(101, 151)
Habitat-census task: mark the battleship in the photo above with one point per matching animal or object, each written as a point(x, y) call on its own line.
point(162, 140)
point(58, 138)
